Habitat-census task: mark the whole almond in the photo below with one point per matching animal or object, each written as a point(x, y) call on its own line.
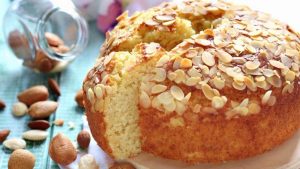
point(33, 95)
point(3, 135)
point(14, 143)
point(19, 109)
point(39, 124)
point(122, 165)
point(59, 122)
point(79, 98)
point(83, 139)
point(2, 104)
point(35, 135)
point(21, 159)
point(61, 150)
point(53, 40)
point(54, 86)
point(42, 109)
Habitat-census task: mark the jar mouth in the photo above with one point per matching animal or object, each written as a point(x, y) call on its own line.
point(62, 34)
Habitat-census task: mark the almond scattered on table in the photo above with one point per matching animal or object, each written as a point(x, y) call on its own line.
point(21, 159)
point(61, 150)
point(39, 124)
point(88, 162)
point(19, 109)
point(2, 104)
point(4, 134)
point(122, 165)
point(33, 95)
point(54, 86)
point(35, 135)
point(42, 109)
point(59, 122)
point(79, 98)
point(14, 143)
point(83, 139)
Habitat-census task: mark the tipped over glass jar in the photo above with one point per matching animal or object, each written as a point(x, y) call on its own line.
point(46, 34)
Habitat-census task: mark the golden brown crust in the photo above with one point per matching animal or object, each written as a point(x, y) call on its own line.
point(97, 126)
point(220, 139)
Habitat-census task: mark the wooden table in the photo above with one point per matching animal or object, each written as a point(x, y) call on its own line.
point(15, 78)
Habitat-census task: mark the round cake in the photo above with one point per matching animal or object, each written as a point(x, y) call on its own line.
point(195, 81)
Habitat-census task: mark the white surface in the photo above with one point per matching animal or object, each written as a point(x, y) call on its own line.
point(286, 156)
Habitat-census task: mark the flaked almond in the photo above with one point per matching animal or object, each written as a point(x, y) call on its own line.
point(83, 139)
point(208, 59)
point(79, 98)
point(14, 143)
point(21, 159)
point(2, 104)
point(265, 98)
point(145, 100)
point(252, 65)
point(176, 92)
point(3, 135)
point(19, 109)
point(122, 165)
point(39, 124)
point(186, 63)
point(33, 95)
point(42, 109)
point(61, 150)
point(35, 135)
point(277, 64)
point(217, 102)
point(158, 88)
point(59, 122)
point(54, 86)
point(202, 42)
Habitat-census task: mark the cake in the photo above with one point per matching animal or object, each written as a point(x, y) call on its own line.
point(195, 81)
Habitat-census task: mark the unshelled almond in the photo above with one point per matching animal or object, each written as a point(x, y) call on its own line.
point(54, 86)
point(21, 159)
point(33, 95)
point(42, 109)
point(3, 135)
point(2, 104)
point(35, 135)
point(14, 143)
point(79, 98)
point(88, 162)
point(83, 139)
point(59, 122)
point(19, 109)
point(122, 165)
point(39, 124)
point(61, 150)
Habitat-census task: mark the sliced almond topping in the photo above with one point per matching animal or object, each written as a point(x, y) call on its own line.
point(277, 64)
point(186, 63)
point(160, 75)
point(254, 108)
point(168, 23)
point(158, 89)
point(238, 48)
point(252, 65)
point(274, 81)
point(266, 97)
point(91, 95)
point(177, 93)
point(244, 103)
point(180, 108)
point(194, 72)
point(156, 104)
point(217, 102)
point(162, 61)
point(271, 101)
point(98, 91)
point(255, 33)
point(192, 81)
point(268, 72)
point(292, 52)
point(250, 84)
point(202, 42)
point(238, 85)
point(172, 76)
point(224, 56)
point(197, 108)
point(171, 106)
point(290, 76)
point(164, 18)
point(250, 49)
point(218, 83)
point(288, 88)
point(151, 22)
point(145, 100)
point(165, 98)
point(208, 91)
point(186, 99)
point(260, 78)
point(180, 76)
point(191, 53)
point(208, 58)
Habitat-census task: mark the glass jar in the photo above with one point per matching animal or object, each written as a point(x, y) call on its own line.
point(46, 34)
